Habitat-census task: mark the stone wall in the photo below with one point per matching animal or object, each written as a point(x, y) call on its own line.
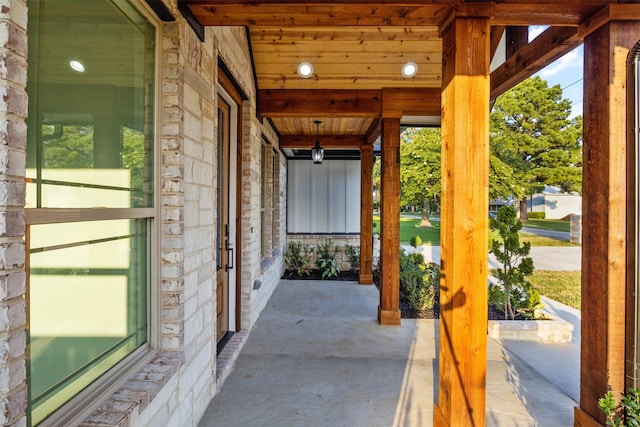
point(13, 139)
point(178, 380)
point(337, 240)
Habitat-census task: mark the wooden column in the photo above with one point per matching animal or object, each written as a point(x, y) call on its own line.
point(604, 207)
point(389, 309)
point(366, 214)
point(464, 232)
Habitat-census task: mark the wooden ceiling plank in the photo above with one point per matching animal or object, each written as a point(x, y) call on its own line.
point(326, 103)
point(543, 50)
point(327, 141)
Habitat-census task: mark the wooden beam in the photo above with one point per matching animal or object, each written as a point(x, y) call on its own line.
point(604, 215)
point(612, 12)
point(464, 222)
point(388, 13)
point(327, 141)
point(516, 38)
point(374, 132)
point(398, 102)
point(320, 103)
point(496, 35)
point(389, 309)
point(366, 215)
point(531, 58)
point(318, 13)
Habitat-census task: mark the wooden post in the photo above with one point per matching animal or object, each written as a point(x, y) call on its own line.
point(389, 309)
point(366, 214)
point(464, 232)
point(604, 207)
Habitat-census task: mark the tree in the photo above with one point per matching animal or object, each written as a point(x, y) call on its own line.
point(514, 293)
point(420, 153)
point(534, 142)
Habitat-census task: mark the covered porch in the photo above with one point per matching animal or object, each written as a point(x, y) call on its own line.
point(315, 360)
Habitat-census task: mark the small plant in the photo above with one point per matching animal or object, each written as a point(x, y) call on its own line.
point(353, 254)
point(326, 262)
point(625, 413)
point(298, 259)
point(415, 241)
point(514, 294)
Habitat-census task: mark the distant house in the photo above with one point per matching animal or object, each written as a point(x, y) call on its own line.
point(555, 203)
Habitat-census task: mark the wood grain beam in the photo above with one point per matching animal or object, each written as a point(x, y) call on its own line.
point(327, 141)
point(516, 38)
point(613, 12)
point(290, 13)
point(366, 215)
point(495, 37)
point(464, 225)
point(389, 308)
point(604, 214)
point(374, 132)
point(531, 58)
point(320, 103)
point(392, 102)
point(398, 102)
point(388, 13)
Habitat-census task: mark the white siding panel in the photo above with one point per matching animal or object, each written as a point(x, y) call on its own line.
point(323, 198)
point(337, 194)
point(352, 184)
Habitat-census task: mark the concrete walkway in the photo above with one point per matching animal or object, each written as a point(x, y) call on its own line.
point(317, 357)
point(558, 258)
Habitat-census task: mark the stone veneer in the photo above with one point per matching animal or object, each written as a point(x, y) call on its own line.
point(175, 386)
point(338, 240)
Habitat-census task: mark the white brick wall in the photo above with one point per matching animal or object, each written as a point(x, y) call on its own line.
point(13, 111)
point(175, 387)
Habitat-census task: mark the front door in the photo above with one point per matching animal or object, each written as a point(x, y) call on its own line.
point(223, 232)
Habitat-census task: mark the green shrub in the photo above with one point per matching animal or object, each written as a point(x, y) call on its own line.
point(298, 258)
point(536, 215)
point(419, 283)
point(353, 254)
point(326, 261)
point(415, 241)
point(624, 413)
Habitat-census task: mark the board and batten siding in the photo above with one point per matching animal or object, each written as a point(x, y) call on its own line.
point(323, 198)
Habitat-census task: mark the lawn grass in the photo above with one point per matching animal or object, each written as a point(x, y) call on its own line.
point(562, 286)
point(549, 224)
point(409, 227)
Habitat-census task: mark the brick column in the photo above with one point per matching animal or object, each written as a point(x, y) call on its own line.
point(13, 135)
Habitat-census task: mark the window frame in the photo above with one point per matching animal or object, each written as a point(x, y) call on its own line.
point(81, 405)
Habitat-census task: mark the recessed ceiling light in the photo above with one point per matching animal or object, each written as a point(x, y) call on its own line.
point(77, 66)
point(409, 70)
point(305, 70)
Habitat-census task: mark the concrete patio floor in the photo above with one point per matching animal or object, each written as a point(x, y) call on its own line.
point(317, 357)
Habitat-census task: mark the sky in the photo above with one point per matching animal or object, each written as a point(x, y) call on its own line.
point(566, 71)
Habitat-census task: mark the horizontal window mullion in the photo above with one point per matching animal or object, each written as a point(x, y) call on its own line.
point(81, 243)
point(60, 215)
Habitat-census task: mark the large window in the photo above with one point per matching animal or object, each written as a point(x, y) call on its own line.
point(90, 199)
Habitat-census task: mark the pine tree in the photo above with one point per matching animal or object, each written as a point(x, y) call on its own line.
point(534, 142)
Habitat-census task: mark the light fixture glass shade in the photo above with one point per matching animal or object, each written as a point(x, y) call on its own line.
point(317, 153)
point(409, 70)
point(305, 70)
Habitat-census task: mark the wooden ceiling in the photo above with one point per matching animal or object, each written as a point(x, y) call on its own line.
point(357, 50)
